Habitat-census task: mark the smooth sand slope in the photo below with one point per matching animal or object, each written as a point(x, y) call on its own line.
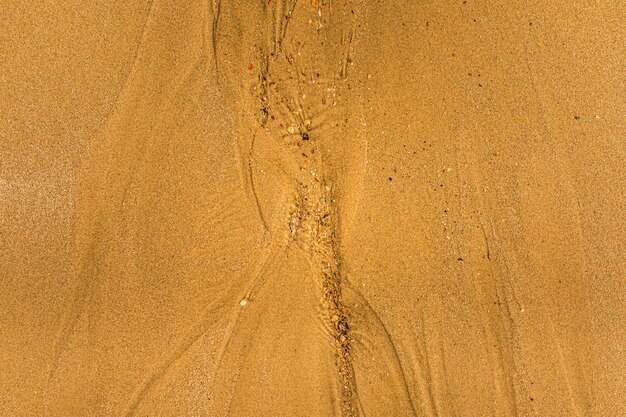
point(312, 208)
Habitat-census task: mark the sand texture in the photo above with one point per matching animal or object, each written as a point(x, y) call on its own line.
point(312, 208)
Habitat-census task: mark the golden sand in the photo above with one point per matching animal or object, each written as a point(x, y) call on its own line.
point(312, 208)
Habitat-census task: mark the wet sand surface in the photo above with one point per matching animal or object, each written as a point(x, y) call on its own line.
point(312, 208)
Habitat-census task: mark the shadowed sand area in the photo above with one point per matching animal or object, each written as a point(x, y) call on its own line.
point(312, 208)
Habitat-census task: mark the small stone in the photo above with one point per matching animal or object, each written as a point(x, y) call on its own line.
point(291, 129)
point(243, 302)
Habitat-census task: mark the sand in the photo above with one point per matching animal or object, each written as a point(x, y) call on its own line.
point(312, 208)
